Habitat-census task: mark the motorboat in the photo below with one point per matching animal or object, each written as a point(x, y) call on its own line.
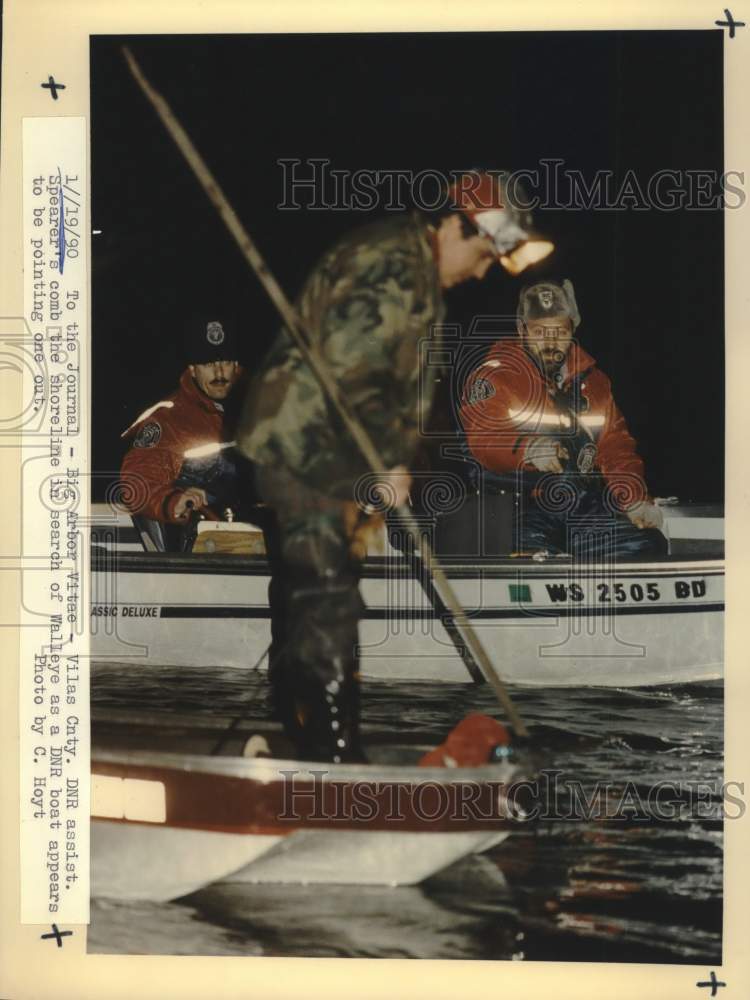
point(544, 621)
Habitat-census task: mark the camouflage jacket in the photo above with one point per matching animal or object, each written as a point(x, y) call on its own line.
point(369, 304)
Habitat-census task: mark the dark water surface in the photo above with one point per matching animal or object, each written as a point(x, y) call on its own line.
point(633, 889)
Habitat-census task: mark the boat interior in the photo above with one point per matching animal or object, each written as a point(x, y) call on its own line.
point(217, 735)
point(478, 535)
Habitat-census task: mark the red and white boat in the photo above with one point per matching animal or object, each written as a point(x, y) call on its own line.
point(167, 822)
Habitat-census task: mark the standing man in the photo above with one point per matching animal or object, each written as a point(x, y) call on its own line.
point(181, 453)
point(539, 403)
point(368, 304)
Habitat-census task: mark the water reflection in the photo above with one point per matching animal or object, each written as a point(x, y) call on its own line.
point(372, 921)
point(618, 891)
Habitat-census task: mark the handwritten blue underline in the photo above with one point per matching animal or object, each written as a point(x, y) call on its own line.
point(61, 241)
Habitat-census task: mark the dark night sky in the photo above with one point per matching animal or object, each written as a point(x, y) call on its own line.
point(649, 283)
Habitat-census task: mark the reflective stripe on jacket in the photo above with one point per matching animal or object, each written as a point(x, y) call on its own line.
point(162, 461)
point(507, 402)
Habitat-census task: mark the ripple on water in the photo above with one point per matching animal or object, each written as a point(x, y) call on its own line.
point(605, 890)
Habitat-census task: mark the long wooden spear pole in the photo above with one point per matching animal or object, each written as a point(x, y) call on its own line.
point(472, 652)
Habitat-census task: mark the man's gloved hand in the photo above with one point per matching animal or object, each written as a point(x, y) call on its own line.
point(195, 496)
point(646, 515)
point(394, 490)
point(546, 454)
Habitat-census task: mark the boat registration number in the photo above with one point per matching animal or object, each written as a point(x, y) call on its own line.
point(619, 591)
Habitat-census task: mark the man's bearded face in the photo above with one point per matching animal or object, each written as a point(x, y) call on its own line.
point(215, 378)
point(549, 340)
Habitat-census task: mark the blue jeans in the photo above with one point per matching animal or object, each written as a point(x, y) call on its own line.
point(588, 530)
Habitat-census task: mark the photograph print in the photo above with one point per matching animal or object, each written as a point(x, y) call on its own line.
point(407, 497)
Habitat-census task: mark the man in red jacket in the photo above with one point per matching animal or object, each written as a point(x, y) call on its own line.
point(180, 459)
point(538, 404)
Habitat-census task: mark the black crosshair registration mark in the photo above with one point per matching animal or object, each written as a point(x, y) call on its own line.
point(58, 935)
point(729, 23)
point(53, 86)
point(713, 982)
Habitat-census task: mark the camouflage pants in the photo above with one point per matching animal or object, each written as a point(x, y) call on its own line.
point(315, 610)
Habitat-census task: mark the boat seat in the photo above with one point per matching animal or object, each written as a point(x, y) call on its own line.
point(482, 526)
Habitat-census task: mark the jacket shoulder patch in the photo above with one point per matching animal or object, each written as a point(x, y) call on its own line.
point(168, 403)
point(479, 390)
point(587, 458)
point(148, 436)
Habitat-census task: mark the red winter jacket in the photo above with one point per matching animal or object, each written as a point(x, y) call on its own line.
point(507, 401)
point(160, 438)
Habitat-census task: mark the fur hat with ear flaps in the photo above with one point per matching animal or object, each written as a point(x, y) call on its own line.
point(549, 298)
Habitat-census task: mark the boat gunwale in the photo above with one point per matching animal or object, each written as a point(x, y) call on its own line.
point(389, 567)
point(267, 770)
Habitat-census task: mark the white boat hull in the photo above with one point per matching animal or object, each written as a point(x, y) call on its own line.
point(157, 863)
point(161, 863)
point(354, 857)
point(643, 624)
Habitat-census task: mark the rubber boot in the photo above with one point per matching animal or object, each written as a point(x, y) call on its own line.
point(325, 726)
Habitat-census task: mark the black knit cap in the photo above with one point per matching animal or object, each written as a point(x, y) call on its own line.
point(212, 337)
